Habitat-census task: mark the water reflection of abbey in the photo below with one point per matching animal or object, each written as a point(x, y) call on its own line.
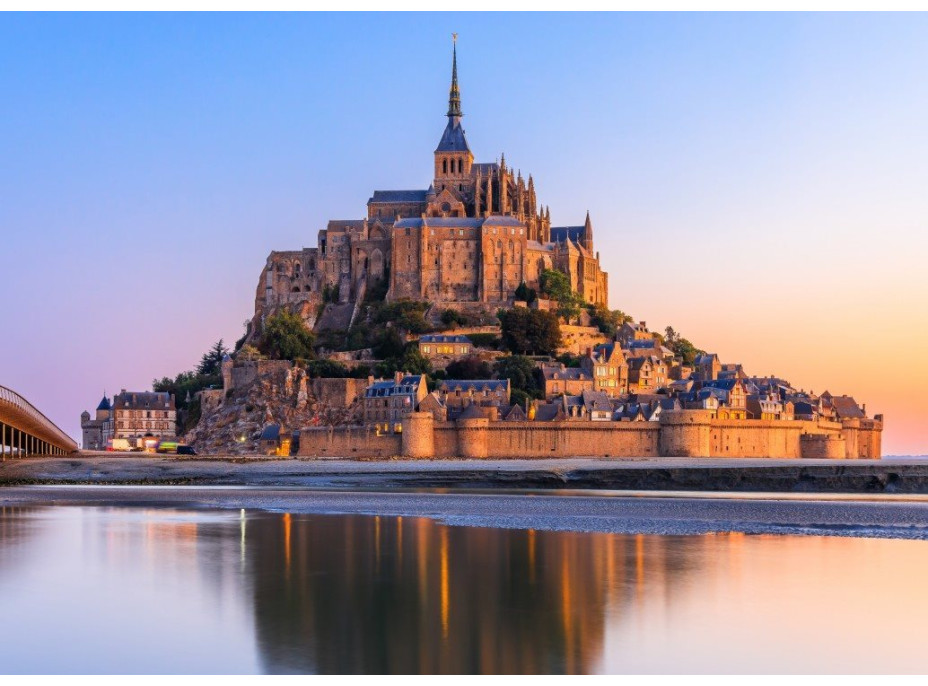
point(362, 594)
point(367, 594)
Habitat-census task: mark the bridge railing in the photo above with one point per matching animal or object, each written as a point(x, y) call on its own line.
point(11, 398)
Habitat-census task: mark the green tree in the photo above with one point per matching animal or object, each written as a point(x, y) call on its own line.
point(556, 286)
point(525, 293)
point(527, 331)
point(471, 367)
point(452, 318)
point(405, 314)
point(389, 343)
point(522, 374)
point(607, 321)
point(211, 362)
point(411, 361)
point(680, 346)
point(285, 337)
point(326, 369)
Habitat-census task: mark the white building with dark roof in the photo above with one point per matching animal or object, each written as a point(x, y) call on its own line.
point(144, 414)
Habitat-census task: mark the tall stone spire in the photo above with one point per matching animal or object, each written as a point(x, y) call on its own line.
point(454, 96)
point(453, 139)
point(588, 233)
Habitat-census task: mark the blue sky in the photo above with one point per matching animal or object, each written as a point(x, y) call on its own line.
point(755, 180)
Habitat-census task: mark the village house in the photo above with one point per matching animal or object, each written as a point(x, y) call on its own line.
point(646, 374)
point(707, 367)
point(733, 398)
point(433, 404)
point(457, 394)
point(842, 406)
point(443, 349)
point(647, 348)
point(144, 414)
point(630, 331)
point(606, 364)
point(561, 380)
point(703, 399)
point(386, 402)
point(763, 406)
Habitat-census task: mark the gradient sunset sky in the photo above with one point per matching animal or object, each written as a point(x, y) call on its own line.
point(757, 181)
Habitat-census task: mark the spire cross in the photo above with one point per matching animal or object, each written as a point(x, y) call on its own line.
point(454, 96)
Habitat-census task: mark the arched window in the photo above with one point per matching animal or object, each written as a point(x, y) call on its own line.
point(444, 166)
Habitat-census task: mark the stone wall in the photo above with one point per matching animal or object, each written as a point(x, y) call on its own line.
point(246, 373)
point(339, 393)
point(350, 441)
point(577, 339)
point(685, 433)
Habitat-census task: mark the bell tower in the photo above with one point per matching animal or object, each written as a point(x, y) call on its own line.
point(453, 158)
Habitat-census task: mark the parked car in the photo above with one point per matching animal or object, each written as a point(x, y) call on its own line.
point(186, 450)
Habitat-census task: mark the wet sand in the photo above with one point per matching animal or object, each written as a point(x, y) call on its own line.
point(652, 474)
point(614, 512)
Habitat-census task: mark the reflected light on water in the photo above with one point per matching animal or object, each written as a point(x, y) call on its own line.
point(122, 590)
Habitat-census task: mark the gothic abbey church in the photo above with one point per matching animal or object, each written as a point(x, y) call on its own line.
point(467, 242)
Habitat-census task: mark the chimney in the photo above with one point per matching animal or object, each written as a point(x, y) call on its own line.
point(370, 379)
point(397, 377)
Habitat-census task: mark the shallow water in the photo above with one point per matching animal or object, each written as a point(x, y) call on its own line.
point(87, 589)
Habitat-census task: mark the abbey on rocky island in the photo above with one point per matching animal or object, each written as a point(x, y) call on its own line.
point(467, 242)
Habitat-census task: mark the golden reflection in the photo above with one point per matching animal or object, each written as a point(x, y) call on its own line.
point(444, 583)
point(524, 601)
point(287, 548)
point(531, 556)
point(565, 614)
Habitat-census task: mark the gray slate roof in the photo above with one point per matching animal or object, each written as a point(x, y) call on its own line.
point(143, 401)
point(453, 139)
point(575, 234)
point(485, 168)
point(444, 338)
point(457, 222)
point(398, 196)
point(571, 373)
point(271, 432)
point(491, 385)
point(383, 389)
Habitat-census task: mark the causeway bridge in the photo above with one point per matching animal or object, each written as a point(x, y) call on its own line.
point(24, 431)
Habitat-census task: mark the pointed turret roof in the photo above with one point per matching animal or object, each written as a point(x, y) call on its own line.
point(453, 139)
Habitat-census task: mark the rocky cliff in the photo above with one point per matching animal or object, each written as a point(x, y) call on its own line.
point(262, 393)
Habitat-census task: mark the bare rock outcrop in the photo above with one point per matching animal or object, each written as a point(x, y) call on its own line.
point(268, 392)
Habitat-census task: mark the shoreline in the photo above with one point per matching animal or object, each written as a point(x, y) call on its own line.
point(889, 476)
point(678, 514)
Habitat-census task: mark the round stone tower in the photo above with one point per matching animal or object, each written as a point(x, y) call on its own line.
point(472, 437)
point(418, 435)
point(684, 433)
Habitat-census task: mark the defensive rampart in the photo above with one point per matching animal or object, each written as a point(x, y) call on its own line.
point(685, 433)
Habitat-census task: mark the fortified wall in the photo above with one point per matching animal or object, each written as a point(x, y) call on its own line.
point(684, 433)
